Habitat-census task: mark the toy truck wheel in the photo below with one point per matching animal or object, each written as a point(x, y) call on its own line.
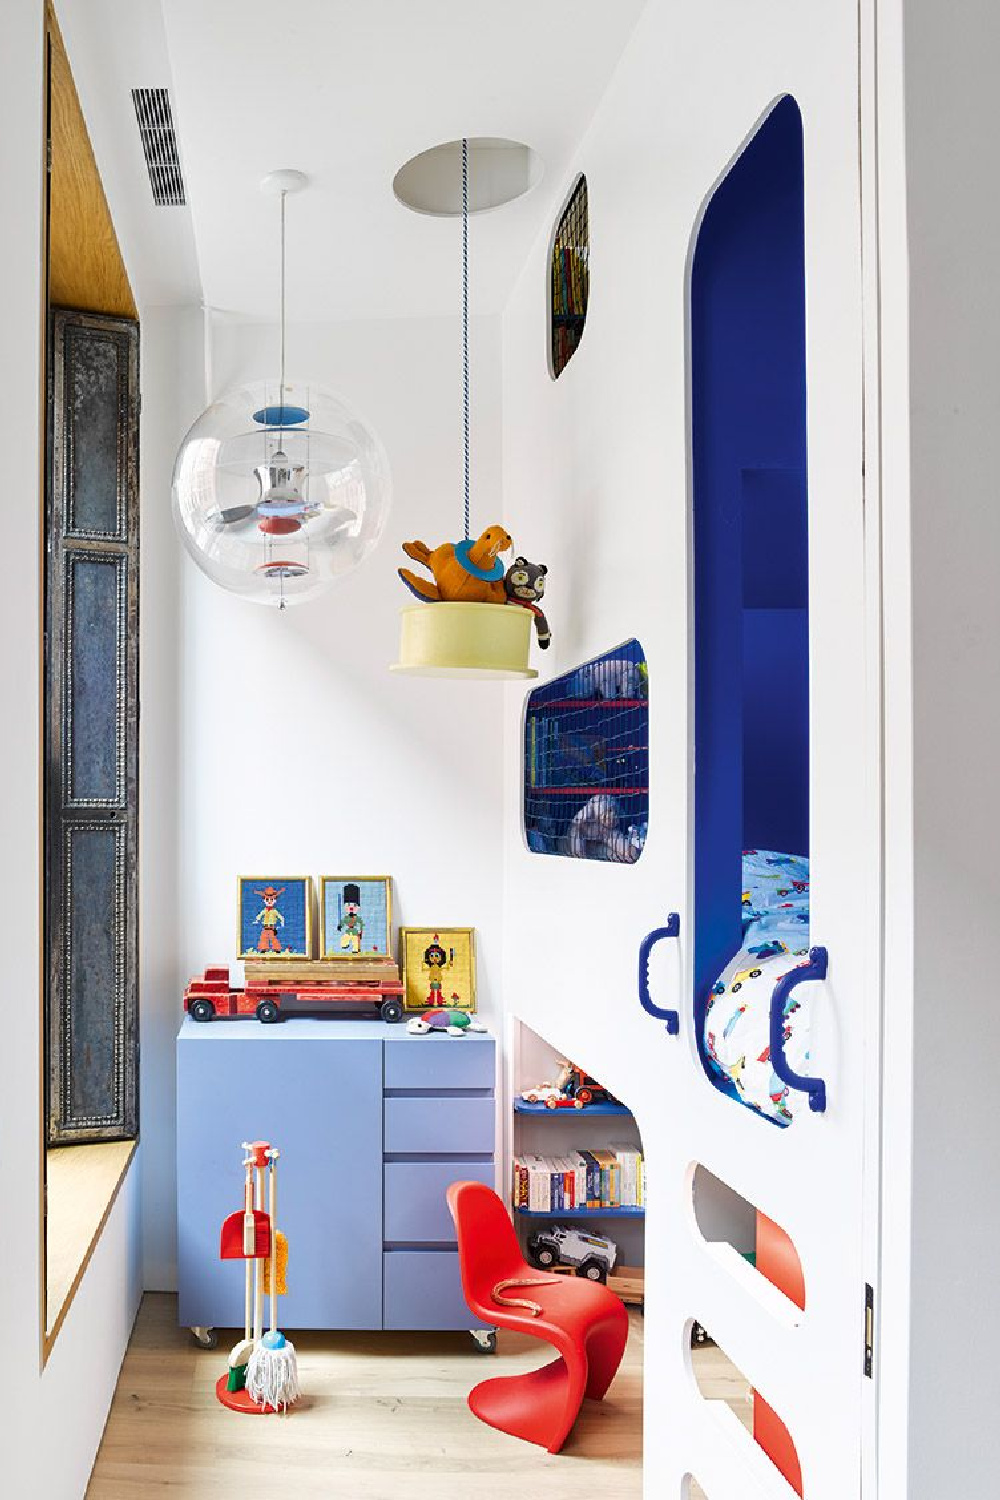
point(544, 1254)
point(593, 1269)
point(268, 1012)
point(392, 1010)
point(201, 1010)
point(552, 1102)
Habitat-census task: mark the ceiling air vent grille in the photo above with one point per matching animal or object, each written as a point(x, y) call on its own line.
point(159, 144)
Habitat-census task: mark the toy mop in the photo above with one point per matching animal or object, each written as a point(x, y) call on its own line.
point(272, 1374)
point(261, 1376)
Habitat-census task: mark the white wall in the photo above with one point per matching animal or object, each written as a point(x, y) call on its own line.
point(298, 750)
point(171, 365)
point(942, 1222)
point(52, 1418)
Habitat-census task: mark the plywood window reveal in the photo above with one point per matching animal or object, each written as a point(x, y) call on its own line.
point(569, 279)
point(586, 760)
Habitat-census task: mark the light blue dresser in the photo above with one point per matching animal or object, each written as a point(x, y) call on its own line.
point(372, 1124)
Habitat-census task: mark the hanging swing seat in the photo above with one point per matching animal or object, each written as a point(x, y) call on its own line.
point(465, 640)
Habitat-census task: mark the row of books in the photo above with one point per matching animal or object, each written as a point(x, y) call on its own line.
point(613, 1177)
point(569, 280)
point(564, 342)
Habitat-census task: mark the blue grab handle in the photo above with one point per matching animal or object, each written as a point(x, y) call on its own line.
point(815, 967)
point(671, 930)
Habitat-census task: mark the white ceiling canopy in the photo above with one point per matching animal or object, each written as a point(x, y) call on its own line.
point(349, 90)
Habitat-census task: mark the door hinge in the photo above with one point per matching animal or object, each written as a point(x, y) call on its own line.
point(869, 1329)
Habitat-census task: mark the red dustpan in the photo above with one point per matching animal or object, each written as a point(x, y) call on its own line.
point(246, 1235)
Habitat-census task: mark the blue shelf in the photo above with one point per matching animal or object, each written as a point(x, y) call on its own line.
point(522, 1107)
point(581, 1213)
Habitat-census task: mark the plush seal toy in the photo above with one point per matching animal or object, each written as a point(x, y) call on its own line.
point(443, 1023)
point(469, 572)
point(525, 585)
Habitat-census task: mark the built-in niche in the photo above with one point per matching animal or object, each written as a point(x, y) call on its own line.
point(569, 279)
point(586, 760)
point(751, 590)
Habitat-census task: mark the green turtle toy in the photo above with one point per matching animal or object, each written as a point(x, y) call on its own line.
point(443, 1023)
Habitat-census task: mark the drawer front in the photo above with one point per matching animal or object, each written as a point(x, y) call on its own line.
point(415, 1207)
point(423, 1289)
point(439, 1124)
point(440, 1062)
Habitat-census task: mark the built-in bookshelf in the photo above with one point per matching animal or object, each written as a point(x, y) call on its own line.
point(569, 288)
point(586, 759)
point(599, 1107)
point(576, 1156)
point(581, 1213)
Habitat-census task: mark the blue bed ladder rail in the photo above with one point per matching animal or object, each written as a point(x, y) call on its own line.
point(671, 930)
point(815, 967)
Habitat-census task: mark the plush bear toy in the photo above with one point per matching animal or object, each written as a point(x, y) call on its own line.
point(525, 585)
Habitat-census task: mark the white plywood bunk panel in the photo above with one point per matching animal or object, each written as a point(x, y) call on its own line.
point(600, 465)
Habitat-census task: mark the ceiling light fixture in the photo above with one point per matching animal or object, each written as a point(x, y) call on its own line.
point(279, 488)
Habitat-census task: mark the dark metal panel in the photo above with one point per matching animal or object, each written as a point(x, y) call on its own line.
point(93, 962)
point(96, 687)
point(91, 802)
point(92, 435)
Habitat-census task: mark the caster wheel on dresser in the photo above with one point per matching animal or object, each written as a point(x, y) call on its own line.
point(485, 1339)
point(205, 1338)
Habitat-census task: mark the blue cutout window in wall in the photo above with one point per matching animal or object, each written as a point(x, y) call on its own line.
point(586, 760)
point(751, 586)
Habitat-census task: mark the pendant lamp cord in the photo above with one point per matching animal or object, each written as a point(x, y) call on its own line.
point(281, 396)
point(465, 318)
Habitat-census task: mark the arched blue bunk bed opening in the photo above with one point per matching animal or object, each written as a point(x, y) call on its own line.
point(751, 604)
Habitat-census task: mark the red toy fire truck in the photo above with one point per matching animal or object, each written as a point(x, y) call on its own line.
point(317, 985)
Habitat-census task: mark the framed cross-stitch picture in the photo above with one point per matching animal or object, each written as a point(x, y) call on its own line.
point(275, 916)
point(439, 967)
point(356, 916)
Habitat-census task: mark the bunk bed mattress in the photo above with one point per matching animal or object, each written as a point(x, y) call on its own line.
point(738, 1010)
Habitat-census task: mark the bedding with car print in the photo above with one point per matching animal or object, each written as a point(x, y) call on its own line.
point(738, 1010)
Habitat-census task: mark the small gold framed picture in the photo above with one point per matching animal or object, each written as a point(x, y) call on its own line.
point(439, 967)
point(275, 916)
point(355, 916)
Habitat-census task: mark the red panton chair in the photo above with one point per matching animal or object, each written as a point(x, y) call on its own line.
point(586, 1324)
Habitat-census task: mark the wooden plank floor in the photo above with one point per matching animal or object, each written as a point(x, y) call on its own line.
point(384, 1416)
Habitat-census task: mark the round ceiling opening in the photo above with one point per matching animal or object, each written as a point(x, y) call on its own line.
point(499, 171)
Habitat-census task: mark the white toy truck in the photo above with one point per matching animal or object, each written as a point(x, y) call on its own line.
point(559, 1245)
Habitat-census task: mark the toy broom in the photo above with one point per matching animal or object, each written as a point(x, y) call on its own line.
point(272, 1378)
point(245, 1236)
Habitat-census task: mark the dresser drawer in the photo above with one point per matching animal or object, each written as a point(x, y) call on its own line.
point(437, 1125)
point(436, 1062)
point(415, 1209)
point(423, 1289)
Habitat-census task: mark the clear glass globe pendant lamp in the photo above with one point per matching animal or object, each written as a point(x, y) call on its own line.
point(279, 488)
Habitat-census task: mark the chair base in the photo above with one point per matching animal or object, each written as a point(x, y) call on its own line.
point(538, 1407)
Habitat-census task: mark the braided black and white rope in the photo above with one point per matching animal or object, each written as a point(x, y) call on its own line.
point(465, 320)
